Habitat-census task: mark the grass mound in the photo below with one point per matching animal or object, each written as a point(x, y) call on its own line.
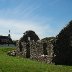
point(18, 64)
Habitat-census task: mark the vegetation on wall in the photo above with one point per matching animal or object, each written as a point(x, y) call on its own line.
point(30, 34)
point(63, 46)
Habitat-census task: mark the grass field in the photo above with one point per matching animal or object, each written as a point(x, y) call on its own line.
point(18, 64)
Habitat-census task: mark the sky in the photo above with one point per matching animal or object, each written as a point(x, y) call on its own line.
point(45, 17)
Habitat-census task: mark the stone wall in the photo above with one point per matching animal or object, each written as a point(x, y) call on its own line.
point(36, 50)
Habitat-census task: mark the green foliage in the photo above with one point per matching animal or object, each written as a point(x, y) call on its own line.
point(18, 64)
point(63, 46)
point(31, 34)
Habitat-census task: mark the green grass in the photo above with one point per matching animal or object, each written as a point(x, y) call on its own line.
point(18, 64)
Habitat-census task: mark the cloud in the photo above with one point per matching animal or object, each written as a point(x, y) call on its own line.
point(20, 19)
point(19, 27)
point(18, 11)
point(24, 17)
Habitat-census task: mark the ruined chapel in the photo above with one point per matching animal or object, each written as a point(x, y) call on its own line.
point(56, 50)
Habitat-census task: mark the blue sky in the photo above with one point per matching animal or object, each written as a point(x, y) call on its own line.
point(45, 17)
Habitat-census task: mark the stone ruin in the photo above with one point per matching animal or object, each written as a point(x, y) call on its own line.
point(56, 50)
point(63, 46)
point(40, 50)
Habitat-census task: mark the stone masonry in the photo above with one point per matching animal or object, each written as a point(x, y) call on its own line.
point(42, 50)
